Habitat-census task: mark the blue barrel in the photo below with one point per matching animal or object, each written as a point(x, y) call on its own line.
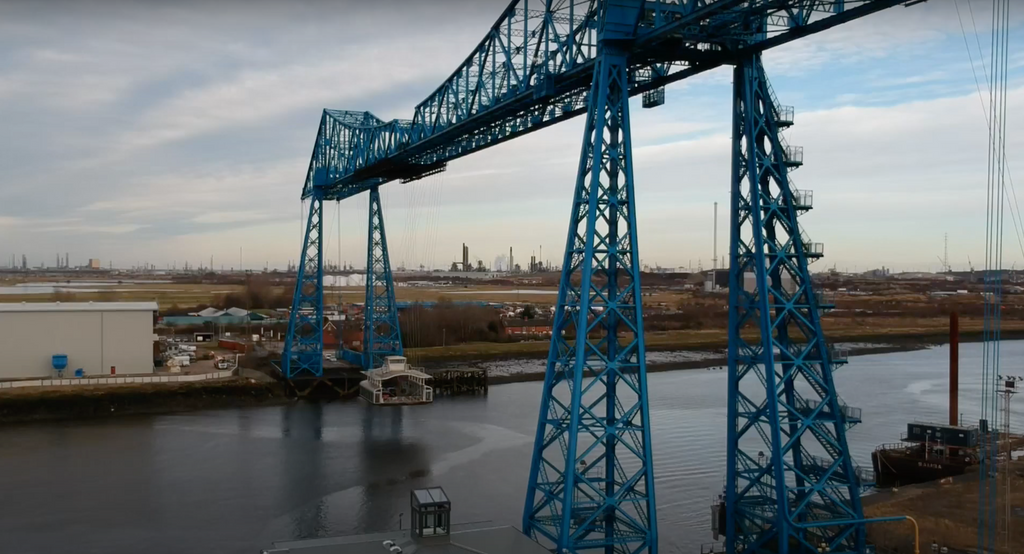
point(60, 361)
point(79, 372)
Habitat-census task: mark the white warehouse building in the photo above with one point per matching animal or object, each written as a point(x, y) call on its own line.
point(97, 337)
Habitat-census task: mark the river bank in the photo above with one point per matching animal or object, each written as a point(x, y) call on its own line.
point(905, 338)
point(946, 512)
point(709, 360)
point(90, 402)
point(50, 404)
point(240, 479)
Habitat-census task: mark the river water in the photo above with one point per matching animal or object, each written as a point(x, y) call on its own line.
point(235, 480)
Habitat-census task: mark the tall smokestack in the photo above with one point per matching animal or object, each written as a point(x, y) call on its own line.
point(511, 263)
point(954, 369)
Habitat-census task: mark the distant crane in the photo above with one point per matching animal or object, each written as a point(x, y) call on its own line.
point(944, 260)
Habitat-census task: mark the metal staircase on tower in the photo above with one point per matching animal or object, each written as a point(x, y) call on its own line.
point(592, 485)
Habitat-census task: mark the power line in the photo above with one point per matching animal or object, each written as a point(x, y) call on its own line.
point(1015, 216)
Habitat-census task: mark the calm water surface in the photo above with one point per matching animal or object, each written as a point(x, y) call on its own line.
point(233, 481)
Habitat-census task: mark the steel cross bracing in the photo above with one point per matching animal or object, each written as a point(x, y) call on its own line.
point(534, 68)
point(591, 483)
point(592, 479)
point(304, 343)
point(381, 336)
point(791, 484)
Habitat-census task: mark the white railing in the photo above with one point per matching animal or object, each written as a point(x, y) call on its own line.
point(794, 154)
point(654, 98)
point(826, 299)
point(802, 199)
point(784, 115)
point(137, 379)
point(849, 412)
point(814, 248)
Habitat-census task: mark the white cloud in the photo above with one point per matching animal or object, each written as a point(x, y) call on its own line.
point(232, 217)
point(190, 138)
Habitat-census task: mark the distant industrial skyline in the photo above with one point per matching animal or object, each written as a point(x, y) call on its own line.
point(525, 263)
point(204, 152)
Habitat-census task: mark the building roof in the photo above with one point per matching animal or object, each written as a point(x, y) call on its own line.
point(517, 322)
point(383, 374)
point(433, 496)
point(16, 307)
point(495, 540)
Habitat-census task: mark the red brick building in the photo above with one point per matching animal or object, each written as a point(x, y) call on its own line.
point(527, 327)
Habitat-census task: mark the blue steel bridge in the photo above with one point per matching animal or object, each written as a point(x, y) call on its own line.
point(791, 484)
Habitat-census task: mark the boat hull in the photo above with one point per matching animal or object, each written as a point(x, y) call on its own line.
point(894, 468)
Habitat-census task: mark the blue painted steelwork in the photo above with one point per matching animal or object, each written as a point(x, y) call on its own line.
point(534, 68)
point(592, 477)
point(304, 343)
point(788, 460)
point(381, 336)
point(544, 61)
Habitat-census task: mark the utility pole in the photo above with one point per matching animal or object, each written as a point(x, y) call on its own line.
point(714, 247)
point(1009, 389)
point(714, 250)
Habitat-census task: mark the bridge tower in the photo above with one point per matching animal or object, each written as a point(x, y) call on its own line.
point(303, 352)
point(381, 334)
point(304, 343)
point(591, 482)
point(791, 483)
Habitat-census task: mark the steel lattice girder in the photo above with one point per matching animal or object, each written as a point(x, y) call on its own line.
point(534, 68)
point(304, 342)
point(807, 475)
point(591, 479)
point(381, 334)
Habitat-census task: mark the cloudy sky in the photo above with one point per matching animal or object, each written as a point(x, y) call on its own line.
point(162, 132)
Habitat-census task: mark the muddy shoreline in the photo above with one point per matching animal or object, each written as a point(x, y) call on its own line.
point(718, 362)
point(95, 402)
point(900, 343)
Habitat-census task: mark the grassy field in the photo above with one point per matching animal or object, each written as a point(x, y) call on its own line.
point(168, 294)
point(164, 294)
point(896, 314)
point(895, 330)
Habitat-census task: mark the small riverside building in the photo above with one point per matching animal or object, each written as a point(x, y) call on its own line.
point(431, 533)
point(99, 338)
point(396, 382)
